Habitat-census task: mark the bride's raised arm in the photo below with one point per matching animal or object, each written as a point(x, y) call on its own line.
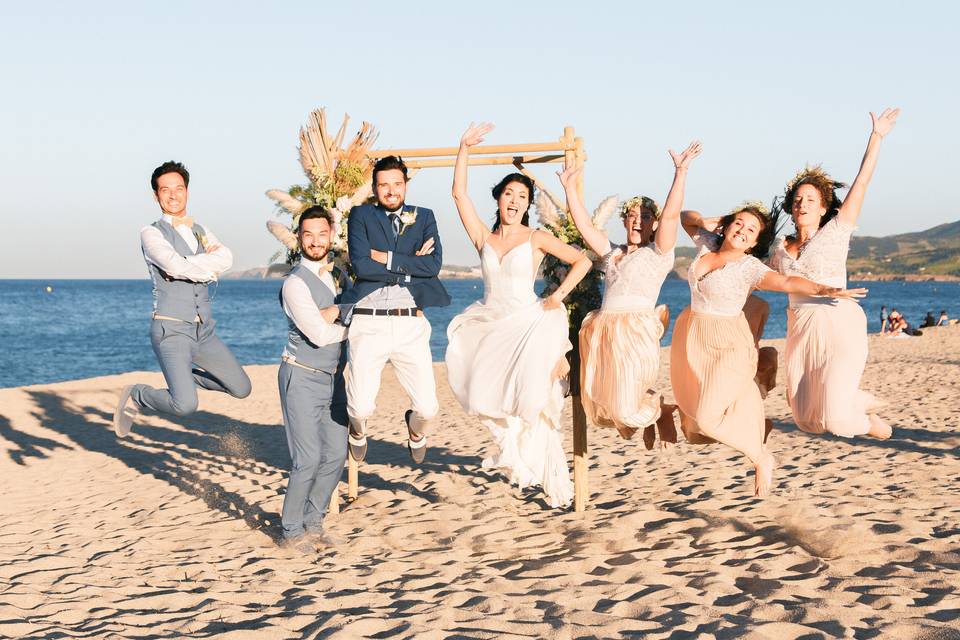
point(579, 265)
point(595, 238)
point(476, 229)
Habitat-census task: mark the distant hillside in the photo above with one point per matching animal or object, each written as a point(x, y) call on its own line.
point(934, 252)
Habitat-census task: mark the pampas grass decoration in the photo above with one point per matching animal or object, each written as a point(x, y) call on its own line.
point(604, 210)
point(548, 214)
point(283, 234)
point(287, 202)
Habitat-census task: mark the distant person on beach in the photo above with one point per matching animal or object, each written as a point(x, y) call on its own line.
point(943, 319)
point(396, 255)
point(183, 258)
point(620, 342)
point(826, 347)
point(506, 353)
point(313, 397)
point(883, 319)
point(713, 356)
point(928, 321)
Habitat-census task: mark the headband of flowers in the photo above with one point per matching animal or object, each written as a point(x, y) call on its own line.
point(640, 201)
point(752, 205)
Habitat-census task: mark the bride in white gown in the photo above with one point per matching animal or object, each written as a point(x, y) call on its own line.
point(506, 353)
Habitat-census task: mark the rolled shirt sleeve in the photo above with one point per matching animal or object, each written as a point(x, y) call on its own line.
point(299, 306)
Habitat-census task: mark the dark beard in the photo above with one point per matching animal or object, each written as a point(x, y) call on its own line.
point(382, 205)
point(306, 255)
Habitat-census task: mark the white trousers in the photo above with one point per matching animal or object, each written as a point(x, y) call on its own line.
point(402, 341)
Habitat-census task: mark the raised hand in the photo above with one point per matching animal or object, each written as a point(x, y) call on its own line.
point(568, 177)
point(883, 123)
point(427, 248)
point(474, 134)
point(710, 224)
point(682, 160)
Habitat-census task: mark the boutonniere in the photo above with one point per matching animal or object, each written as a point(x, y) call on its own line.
point(407, 218)
point(201, 238)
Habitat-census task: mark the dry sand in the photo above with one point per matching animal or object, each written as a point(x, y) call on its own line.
point(172, 531)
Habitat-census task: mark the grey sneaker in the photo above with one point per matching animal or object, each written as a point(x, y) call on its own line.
point(323, 538)
point(125, 413)
point(301, 544)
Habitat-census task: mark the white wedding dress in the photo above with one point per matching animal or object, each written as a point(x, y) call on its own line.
point(502, 358)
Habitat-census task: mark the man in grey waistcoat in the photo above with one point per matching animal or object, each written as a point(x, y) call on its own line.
point(312, 392)
point(183, 258)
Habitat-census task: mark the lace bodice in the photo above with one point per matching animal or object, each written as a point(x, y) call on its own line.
point(722, 291)
point(822, 258)
point(633, 280)
point(511, 279)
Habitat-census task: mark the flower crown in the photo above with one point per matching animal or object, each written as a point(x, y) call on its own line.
point(752, 205)
point(640, 201)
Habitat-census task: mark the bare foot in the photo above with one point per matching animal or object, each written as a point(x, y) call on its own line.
point(767, 428)
point(879, 428)
point(764, 475)
point(649, 437)
point(666, 428)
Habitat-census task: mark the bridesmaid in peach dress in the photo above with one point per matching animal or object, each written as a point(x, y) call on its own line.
point(713, 356)
point(620, 342)
point(826, 348)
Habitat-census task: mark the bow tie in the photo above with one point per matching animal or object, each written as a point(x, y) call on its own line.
point(185, 220)
point(325, 266)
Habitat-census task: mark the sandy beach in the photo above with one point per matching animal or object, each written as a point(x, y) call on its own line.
point(172, 532)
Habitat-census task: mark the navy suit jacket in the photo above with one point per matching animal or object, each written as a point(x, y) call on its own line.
point(368, 227)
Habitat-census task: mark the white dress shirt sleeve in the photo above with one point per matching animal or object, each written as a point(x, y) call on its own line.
point(217, 261)
point(299, 306)
point(159, 252)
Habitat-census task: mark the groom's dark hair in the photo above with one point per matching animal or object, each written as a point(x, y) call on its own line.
point(387, 163)
point(170, 166)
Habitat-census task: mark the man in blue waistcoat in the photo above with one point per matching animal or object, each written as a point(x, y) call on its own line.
point(183, 258)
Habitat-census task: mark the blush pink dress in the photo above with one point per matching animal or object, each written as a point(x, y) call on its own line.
point(826, 348)
point(713, 356)
point(620, 342)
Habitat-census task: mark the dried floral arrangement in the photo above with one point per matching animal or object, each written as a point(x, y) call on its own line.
point(339, 179)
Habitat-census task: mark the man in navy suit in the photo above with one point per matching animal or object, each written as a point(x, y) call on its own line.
point(396, 256)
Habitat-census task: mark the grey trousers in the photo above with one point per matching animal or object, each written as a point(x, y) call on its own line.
point(314, 408)
point(190, 355)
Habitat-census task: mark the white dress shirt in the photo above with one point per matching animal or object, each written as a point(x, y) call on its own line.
point(299, 306)
point(204, 267)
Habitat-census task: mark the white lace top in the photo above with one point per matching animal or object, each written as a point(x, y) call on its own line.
point(822, 258)
point(633, 280)
point(722, 291)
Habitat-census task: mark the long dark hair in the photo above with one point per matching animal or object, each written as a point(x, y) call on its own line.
point(498, 191)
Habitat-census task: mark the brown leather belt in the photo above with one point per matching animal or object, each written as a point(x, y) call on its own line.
point(412, 311)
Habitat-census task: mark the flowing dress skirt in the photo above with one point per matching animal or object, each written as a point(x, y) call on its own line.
point(825, 355)
point(713, 362)
point(504, 364)
point(619, 364)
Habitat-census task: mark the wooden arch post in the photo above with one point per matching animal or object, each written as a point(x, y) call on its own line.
point(568, 149)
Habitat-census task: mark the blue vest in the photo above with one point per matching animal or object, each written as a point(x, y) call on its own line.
point(328, 358)
point(180, 299)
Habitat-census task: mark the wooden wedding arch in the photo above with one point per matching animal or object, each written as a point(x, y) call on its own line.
point(568, 150)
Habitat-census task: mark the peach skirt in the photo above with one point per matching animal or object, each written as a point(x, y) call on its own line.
point(825, 355)
point(619, 364)
point(713, 362)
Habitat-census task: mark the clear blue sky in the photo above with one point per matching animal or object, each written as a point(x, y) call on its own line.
point(97, 94)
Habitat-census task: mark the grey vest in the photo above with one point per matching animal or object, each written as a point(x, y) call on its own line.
point(328, 358)
point(180, 299)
